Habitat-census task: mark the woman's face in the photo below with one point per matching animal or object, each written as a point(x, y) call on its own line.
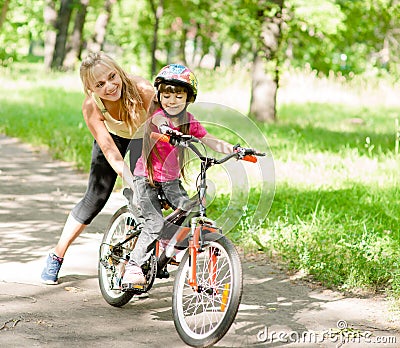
point(173, 103)
point(107, 83)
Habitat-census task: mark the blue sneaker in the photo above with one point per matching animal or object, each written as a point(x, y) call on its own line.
point(50, 271)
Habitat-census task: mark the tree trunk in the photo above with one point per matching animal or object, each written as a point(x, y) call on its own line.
point(74, 48)
point(219, 48)
point(50, 20)
point(263, 92)
point(265, 72)
point(100, 27)
point(3, 14)
point(63, 18)
point(182, 46)
point(158, 13)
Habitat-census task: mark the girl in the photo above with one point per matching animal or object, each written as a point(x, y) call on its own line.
point(114, 109)
point(176, 88)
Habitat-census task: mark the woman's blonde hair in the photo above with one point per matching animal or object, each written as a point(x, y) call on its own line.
point(131, 101)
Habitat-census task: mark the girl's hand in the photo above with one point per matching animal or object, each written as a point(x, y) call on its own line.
point(165, 129)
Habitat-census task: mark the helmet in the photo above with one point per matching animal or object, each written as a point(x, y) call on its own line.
point(179, 75)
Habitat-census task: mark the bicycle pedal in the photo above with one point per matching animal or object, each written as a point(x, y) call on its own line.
point(162, 273)
point(138, 288)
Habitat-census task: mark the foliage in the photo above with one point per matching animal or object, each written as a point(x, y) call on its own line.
point(347, 37)
point(350, 37)
point(23, 20)
point(335, 211)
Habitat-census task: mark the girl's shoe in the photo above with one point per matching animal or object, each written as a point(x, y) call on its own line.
point(133, 276)
point(50, 271)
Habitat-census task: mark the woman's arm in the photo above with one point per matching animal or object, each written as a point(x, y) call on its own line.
point(95, 122)
point(217, 144)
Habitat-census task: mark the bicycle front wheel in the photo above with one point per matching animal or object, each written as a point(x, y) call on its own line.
point(202, 316)
point(113, 255)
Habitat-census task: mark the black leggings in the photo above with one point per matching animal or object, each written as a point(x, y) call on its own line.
point(102, 179)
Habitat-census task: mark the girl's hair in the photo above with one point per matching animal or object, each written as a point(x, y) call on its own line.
point(130, 101)
point(149, 150)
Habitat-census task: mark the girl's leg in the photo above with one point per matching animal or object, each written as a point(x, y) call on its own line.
point(152, 218)
point(176, 194)
point(153, 222)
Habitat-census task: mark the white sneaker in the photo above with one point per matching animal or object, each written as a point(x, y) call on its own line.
point(133, 276)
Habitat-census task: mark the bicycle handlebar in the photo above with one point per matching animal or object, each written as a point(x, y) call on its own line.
point(184, 140)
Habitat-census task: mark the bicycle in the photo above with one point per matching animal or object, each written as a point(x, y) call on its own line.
point(207, 288)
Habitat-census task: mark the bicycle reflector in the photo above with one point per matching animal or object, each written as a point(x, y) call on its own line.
point(225, 295)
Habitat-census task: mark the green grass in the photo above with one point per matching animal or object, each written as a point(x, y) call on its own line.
point(335, 209)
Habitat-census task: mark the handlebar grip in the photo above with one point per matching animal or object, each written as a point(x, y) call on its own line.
point(159, 137)
point(250, 158)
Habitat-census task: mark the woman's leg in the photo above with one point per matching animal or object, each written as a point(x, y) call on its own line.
point(72, 229)
point(101, 183)
point(96, 188)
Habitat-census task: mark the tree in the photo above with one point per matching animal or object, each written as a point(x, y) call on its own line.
point(265, 71)
point(157, 11)
point(74, 46)
point(4, 9)
point(50, 20)
point(63, 18)
point(100, 28)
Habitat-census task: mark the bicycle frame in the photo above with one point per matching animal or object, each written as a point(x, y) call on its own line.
point(200, 222)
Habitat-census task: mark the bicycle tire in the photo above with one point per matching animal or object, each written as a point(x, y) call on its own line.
point(199, 317)
point(116, 232)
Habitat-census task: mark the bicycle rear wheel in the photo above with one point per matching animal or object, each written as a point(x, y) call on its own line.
point(203, 316)
point(113, 256)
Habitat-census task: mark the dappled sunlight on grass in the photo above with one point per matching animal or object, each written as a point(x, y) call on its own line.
point(335, 170)
point(301, 87)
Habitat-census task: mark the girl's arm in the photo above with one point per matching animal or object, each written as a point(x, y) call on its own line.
point(217, 144)
point(95, 122)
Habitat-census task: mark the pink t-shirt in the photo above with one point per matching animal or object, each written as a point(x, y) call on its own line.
point(166, 165)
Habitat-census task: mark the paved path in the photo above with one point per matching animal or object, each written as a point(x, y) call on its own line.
point(36, 194)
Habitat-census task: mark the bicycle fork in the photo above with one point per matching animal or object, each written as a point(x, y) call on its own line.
point(198, 225)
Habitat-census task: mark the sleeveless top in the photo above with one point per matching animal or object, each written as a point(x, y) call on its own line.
point(120, 128)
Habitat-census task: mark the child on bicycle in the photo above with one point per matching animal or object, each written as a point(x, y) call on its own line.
point(176, 87)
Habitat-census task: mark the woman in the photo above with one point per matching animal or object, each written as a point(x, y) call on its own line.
point(114, 110)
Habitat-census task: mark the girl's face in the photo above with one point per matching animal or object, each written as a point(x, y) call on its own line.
point(107, 83)
point(173, 103)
